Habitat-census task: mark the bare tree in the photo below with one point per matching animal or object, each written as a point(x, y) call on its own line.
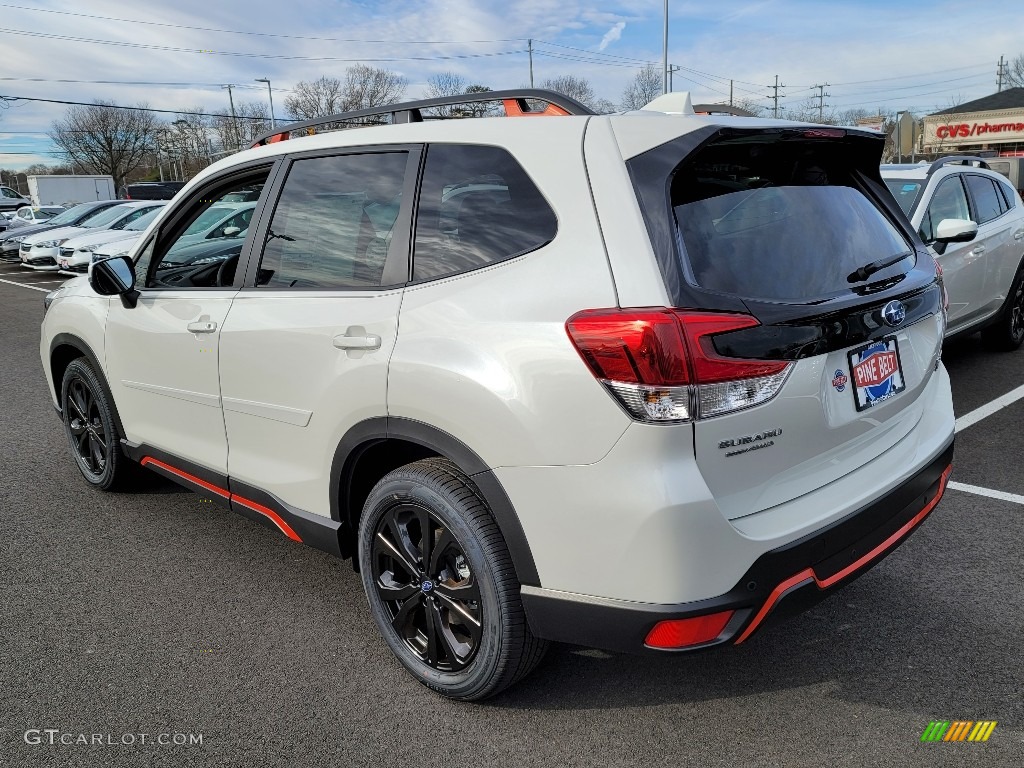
point(644, 89)
point(1014, 77)
point(452, 84)
point(110, 139)
point(366, 87)
point(316, 98)
point(252, 118)
point(574, 87)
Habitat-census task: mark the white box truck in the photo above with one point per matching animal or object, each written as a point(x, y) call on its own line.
point(70, 190)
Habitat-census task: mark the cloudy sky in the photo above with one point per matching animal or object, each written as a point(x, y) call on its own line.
point(898, 55)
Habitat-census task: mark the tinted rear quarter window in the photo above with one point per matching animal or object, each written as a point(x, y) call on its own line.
point(775, 220)
point(986, 198)
point(477, 206)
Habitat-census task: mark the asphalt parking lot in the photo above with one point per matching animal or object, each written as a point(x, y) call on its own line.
point(156, 612)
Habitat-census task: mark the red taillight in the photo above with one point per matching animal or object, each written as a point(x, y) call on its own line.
point(661, 364)
point(635, 347)
point(682, 633)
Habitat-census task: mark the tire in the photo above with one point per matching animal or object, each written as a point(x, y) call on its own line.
point(453, 618)
point(1007, 333)
point(91, 428)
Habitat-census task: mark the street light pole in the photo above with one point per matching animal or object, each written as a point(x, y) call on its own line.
point(664, 55)
point(270, 95)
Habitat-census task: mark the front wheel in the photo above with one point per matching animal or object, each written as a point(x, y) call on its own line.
point(91, 428)
point(1007, 333)
point(441, 584)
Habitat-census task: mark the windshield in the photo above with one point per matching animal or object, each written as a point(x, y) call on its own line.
point(143, 221)
point(72, 215)
point(905, 191)
point(108, 216)
point(208, 218)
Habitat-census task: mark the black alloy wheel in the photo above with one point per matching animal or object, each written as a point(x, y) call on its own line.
point(441, 584)
point(423, 579)
point(1007, 332)
point(91, 427)
point(89, 439)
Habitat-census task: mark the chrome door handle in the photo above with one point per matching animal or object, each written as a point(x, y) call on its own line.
point(1019, 234)
point(366, 343)
point(202, 326)
point(978, 250)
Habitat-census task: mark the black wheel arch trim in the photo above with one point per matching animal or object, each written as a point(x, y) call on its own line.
point(370, 432)
point(70, 340)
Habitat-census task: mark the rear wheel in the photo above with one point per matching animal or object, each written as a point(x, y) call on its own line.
point(441, 584)
point(91, 428)
point(1007, 333)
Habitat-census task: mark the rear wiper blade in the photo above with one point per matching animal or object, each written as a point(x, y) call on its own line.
point(861, 274)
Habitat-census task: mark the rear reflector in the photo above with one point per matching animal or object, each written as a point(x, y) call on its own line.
point(661, 364)
point(682, 633)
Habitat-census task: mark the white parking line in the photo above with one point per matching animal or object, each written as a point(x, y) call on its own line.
point(978, 491)
point(969, 419)
point(23, 285)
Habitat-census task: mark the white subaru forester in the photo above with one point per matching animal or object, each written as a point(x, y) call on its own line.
point(625, 381)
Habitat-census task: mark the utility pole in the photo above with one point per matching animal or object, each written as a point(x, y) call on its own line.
point(775, 95)
point(671, 69)
point(529, 47)
point(234, 117)
point(1001, 72)
point(664, 55)
point(821, 100)
point(730, 93)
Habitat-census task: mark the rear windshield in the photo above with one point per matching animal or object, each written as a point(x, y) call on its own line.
point(906, 192)
point(773, 220)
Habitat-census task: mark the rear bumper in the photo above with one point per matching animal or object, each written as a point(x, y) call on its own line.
point(809, 567)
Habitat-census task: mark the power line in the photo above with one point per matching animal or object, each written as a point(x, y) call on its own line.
point(261, 34)
point(127, 82)
point(134, 109)
point(241, 54)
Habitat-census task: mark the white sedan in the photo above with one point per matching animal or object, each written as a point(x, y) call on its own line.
point(76, 253)
point(40, 251)
point(973, 220)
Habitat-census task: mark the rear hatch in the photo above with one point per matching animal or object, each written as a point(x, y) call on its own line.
point(794, 227)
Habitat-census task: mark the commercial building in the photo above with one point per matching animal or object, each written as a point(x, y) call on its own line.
point(990, 125)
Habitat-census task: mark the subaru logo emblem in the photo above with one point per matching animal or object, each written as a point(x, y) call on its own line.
point(894, 314)
point(426, 586)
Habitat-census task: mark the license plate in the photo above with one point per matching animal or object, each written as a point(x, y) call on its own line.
point(876, 372)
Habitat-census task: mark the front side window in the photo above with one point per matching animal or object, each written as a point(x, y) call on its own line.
point(948, 202)
point(986, 198)
point(176, 260)
point(477, 207)
point(333, 223)
point(8, 192)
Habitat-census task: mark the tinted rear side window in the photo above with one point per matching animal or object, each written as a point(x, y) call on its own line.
point(780, 221)
point(326, 232)
point(477, 207)
point(1008, 195)
point(986, 198)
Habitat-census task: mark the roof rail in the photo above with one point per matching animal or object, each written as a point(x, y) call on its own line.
point(514, 102)
point(957, 160)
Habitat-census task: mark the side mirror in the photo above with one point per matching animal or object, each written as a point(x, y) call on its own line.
point(956, 231)
point(115, 277)
point(231, 231)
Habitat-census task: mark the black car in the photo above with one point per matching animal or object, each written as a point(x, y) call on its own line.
point(10, 239)
point(151, 190)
